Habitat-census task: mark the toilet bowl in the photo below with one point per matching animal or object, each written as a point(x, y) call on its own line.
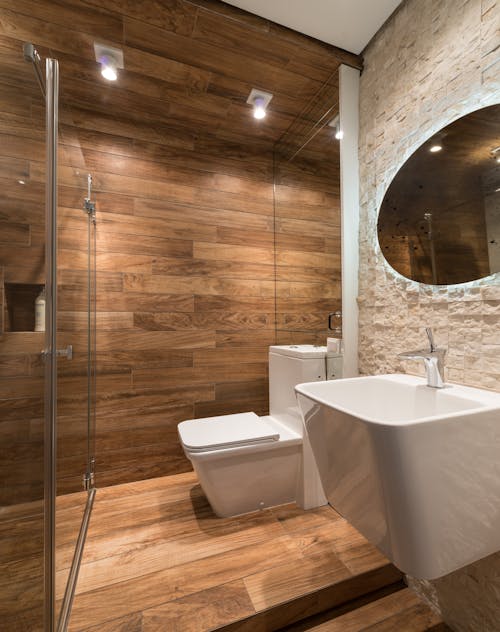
point(245, 462)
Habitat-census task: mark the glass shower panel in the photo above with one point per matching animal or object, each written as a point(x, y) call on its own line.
point(22, 338)
point(307, 224)
point(41, 540)
point(76, 331)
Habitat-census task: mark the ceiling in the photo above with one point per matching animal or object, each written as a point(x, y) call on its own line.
point(336, 22)
point(189, 68)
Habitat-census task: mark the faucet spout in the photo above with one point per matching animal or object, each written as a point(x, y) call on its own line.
point(433, 359)
point(432, 369)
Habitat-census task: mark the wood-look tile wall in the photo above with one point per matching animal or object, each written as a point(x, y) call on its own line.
point(201, 264)
point(21, 266)
point(307, 203)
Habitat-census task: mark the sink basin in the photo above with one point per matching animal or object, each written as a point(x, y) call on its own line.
point(415, 469)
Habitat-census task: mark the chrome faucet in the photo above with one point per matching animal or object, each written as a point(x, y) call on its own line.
point(433, 359)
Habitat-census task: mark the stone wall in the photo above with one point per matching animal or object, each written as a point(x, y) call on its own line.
point(433, 62)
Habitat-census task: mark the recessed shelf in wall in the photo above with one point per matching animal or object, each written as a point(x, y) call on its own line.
point(19, 306)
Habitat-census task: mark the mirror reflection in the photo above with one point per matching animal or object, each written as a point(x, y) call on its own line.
point(439, 222)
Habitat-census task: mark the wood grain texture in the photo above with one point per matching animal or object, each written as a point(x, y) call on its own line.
point(21, 274)
point(22, 558)
point(202, 262)
point(157, 558)
point(401, 610)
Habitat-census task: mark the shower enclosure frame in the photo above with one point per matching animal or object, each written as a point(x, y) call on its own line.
point(50, 351)
point(50, 90)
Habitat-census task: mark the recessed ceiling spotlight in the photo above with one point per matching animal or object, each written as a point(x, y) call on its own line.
point(111, 59)
point(22, 181)
point(335, 123)
point(108, 69)
point(260, 100)
point(435, 148)
point(259, 111)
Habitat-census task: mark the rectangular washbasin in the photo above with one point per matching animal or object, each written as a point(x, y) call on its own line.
point(415, 469)
point(396, 399)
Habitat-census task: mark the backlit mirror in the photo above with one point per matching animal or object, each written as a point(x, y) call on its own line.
point(439, 222)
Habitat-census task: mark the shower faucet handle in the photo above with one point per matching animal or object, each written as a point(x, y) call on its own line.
point(67, 353)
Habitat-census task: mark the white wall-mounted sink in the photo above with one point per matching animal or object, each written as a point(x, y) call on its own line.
point(415, 469)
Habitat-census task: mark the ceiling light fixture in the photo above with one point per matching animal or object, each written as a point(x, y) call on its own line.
point(435, 148)
point(335, 123)
point(111, 59)
point(108, 69)
point(496, 153)
point(259, 111)
point(260, 100)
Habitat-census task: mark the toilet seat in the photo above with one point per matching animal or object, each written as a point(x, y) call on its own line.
point(227, 431)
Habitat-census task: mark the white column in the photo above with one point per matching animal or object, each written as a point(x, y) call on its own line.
point(349, 197)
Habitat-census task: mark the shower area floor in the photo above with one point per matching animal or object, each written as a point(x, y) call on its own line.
point(21, 554)
point(21, 568)
point(157, 558)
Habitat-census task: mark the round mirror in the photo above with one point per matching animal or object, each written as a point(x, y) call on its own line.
point(439, 222)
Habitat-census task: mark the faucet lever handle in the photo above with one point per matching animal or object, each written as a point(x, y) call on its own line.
point(428, 331)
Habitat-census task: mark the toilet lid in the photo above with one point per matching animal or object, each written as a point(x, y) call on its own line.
point(225, 432)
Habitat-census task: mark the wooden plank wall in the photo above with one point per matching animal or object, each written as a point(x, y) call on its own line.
point(21, 261)
point(197, 275)
point(308, 279)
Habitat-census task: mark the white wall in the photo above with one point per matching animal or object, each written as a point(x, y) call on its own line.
point(349, 196)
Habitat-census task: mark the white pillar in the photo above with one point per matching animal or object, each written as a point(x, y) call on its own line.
point(349, 197)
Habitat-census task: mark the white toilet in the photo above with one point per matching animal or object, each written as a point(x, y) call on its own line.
point(245, 462)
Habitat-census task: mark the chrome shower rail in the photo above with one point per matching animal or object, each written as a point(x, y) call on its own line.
point(52, 117)
point(50, 90)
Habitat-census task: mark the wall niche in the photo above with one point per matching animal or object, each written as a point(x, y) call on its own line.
point(19, 306)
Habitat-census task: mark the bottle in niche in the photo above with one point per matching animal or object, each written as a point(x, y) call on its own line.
point(40, 311)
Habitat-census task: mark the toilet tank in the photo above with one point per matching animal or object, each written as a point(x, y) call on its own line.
point(290, 365)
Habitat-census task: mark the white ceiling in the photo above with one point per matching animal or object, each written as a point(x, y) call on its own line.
point(348, 24)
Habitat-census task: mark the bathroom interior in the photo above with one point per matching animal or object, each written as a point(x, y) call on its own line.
point(196, 195)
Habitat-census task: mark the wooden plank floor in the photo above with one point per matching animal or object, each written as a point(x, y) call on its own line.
point(397, 612)
point(21, 558)
point(158, 559)
point(21, 566)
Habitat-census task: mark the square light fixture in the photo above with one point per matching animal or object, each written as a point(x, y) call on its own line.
point(260, 100)
point(110, 59)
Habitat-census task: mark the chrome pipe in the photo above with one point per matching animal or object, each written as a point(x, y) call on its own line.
point(69, 593)
point(52, 118)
